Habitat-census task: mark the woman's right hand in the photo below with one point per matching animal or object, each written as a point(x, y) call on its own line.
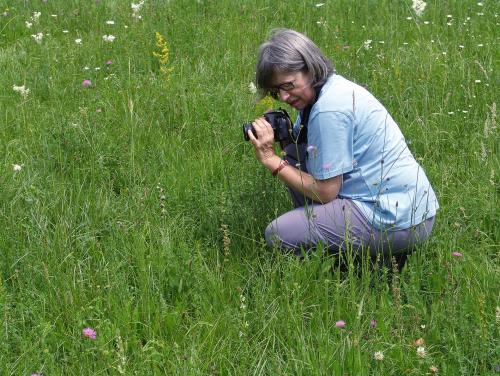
point(264, 142)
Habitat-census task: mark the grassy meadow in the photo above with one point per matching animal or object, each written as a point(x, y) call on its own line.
point(132, 211)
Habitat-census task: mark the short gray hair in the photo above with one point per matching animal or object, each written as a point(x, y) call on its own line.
point(288, 51)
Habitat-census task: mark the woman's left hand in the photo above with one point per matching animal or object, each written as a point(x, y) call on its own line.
point(263, 143)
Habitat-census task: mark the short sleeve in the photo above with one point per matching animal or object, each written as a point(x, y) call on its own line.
point(330, 145)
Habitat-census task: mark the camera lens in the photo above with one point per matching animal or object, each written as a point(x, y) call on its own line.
point(248, 127)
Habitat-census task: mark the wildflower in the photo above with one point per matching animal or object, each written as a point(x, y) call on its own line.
point(136, 8)
point(37, 37)
point(36, 16)
point(312, 151)
point(29, 24)
point(457, 254)
point(340, 324)
point(108, 38)
point(78, 41)
point(421, 352)
point(433, 370)
point(422, 326)
point(22, 90)
point(163, 56)
point(17, 167)
point(110, 22)
point(252, 88)
point(497, 311)
point(86, 83)
point(378, 355)
point(419, 7)
point(367, 44)
point(319, 5)
point(109, 62)
point(65, 31)
point(89, 333)
point(373, 323)
point(479, 4)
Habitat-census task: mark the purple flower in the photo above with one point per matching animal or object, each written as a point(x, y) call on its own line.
point(36, 374)
point(373, 323)
point(340, 324)
point(89, 333)
point(86, 83)
point(109, 62)
point(457, 254)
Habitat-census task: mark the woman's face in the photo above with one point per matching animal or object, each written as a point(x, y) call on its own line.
point(294, 89)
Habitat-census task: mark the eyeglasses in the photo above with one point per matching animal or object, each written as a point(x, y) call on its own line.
point(285, 86)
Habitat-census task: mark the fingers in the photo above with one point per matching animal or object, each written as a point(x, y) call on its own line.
point(263, 130)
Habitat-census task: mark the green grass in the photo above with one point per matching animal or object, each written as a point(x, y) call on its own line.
point(139, 210)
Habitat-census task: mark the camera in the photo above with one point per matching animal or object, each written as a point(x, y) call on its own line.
point(280, 122)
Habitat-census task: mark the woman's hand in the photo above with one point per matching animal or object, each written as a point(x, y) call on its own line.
point(263, 143)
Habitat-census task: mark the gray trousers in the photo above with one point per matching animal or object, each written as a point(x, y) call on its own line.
point(338, 225)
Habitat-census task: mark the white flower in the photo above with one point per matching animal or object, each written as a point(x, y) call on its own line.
point(378, 355)
point(65, 31)
point(419, 7)
point(319, 5)
point(35, 16)
point(421, 352)
point(54, 15)
point(252, 88)
point(137, 7)
point(17, 167)
point(22, 90)
point(29, 24)
point(367, 44)
point(477, 81)
point(78, 41)
point(108, 38)
point(479, 4)
point(110, 22)
point(37, 37)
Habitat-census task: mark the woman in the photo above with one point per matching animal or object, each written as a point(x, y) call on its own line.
point(353, 180)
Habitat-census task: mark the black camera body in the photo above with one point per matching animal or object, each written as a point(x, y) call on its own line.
point(280, 122)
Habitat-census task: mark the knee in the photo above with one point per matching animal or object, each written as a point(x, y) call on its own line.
point(271, 235)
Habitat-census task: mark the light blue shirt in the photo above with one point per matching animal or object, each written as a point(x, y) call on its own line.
point(350, 133)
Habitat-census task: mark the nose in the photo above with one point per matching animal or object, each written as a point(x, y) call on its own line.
point(284, 95)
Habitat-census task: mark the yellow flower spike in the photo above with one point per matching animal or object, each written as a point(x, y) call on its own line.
point(163, 56)
point(264, 104)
